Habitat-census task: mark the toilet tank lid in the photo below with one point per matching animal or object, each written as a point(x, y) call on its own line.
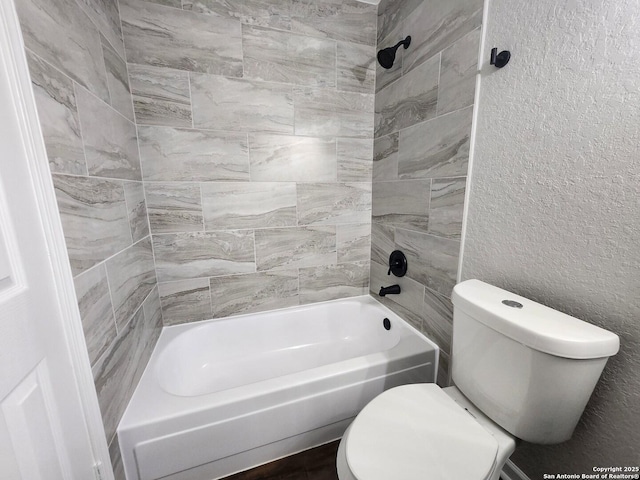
point(532, 324)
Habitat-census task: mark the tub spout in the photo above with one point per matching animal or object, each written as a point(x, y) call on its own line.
point(395, 289)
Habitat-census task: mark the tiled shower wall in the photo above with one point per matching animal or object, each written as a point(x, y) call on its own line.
point(255, 123)
point(423, 111)
point(76, 59)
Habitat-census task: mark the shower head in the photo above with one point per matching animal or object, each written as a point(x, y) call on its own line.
point(387, 56)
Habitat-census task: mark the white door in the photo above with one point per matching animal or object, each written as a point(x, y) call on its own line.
point(44, 430)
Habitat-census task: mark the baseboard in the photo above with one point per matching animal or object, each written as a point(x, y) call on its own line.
point(511, 472)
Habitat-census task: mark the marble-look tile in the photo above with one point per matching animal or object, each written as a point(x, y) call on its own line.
point(248, 205)
point(355, 159)
point(444, 368)
point(265, 13)
point(347, 20)
point(327, 112)
point(161, 96)
point(110, 140)
point(438, 319)
point(333, 203)
point(222, 103)
point(386, 76)
point(391, 13)
point(58, 113)
point(411, 99)
point(255, 292)
point(153, 323)
point(328, 282)
point(175, 154)
point(437, 148)
point(131, 276)
point(96, 311)
point(94, 219)
point(284, 57)
point(137, 208)
point(402, 204)
point(356, 67)
point(385, 157)
point(174, 207)
point(458, 73)
point(168, 3)
point(116, 459)
point(353, 242)
point(105, 15)
point(185, 301)
point(117, 80)
point(446, 207)
point(163, 37)
point(382, 242)
point(436, 25)
point(409, 304)
point(433, 261)
point(287, 158)
point(63, 35)
point(295, 247)
point(181, 256)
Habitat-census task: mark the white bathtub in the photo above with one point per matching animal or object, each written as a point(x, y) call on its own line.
point(222, 396)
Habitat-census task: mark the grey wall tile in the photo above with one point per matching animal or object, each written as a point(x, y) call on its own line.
point(446, 207)
point(356, 67)
point(436, 25)
point(174, 207)
point(58, 113)
point(458, 73)
point(382, 242)
point(411, 99)
point(241, 105)
point(110, 140)
point(173, 154)
point(295, 247)
point(438, 319)
point(385, 76)
point(391, 13)
point(60, 33)
point(402, 203)
point(161, 96)
point(155, 35)
point(169, 3)
point(183, 256)
point(248, 205)
point(266, 13)
point(385, 157)
point(153, 322)
point(437, 148)
point(106, 16)
point(284, 57)
point(96, 311)
point(328, 282)
point(137, 208)
point(355, 159)
point(94, 219)
point(117, 80)
point(185, 301)
point(436, 270)
point(347, 20)
point(353, 242)
point(268, 290)
point(327, 112)
point(116, 459)
point(131, 275)
point(333, 203)
point(285, 158)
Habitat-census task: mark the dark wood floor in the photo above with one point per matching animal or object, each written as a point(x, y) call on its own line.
point(316, 464)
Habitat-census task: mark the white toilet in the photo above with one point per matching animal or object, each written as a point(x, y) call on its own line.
point(521, 370)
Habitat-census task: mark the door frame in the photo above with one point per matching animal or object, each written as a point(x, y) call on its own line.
point(13, 61)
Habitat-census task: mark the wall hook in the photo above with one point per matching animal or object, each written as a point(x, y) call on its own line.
point(500, 59)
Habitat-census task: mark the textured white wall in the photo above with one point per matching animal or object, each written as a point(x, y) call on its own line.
point(554, 206)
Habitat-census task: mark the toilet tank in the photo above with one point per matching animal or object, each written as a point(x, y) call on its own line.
point(529, 368)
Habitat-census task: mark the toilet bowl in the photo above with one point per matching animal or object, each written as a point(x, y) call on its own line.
point(521, 371)
point(422, 431)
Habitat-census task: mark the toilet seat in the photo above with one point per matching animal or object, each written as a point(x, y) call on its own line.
point(418, 432)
